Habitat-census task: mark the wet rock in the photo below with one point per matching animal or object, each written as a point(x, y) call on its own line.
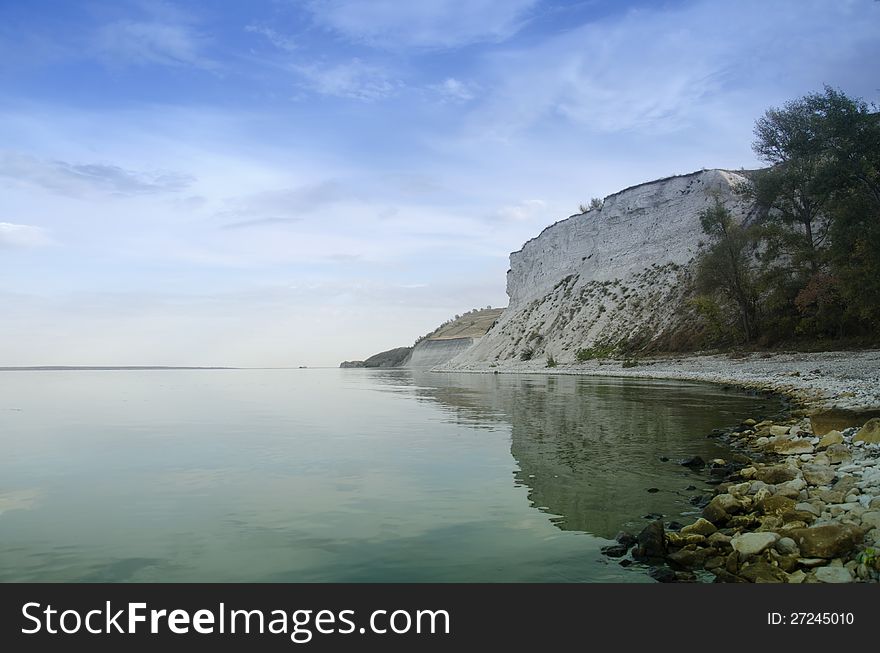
point(694, 462)
point(720, 508)
point(615, 550)
point(626, 539)
point(677, 539)
point(834, 575)
point(653, 516)
point(688, 559)
point(651, 542)
point(818, 474)
point(700, 527)
point(870, 432)
point(827, 540)
point(751, 544)
point(690, 488)
point(714, 563)
point(763, 572)
point(653, 490)
point(662, 574)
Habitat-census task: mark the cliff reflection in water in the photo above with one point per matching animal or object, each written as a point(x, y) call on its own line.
point(589, 448)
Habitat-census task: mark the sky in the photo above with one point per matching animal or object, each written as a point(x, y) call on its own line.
point(299, 182)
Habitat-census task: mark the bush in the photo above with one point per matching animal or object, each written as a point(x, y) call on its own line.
point(526, 354)
point(590, 353)
point(630, 363)
point(551, 362)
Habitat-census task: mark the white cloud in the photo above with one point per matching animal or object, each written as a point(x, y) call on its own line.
point(354, 79)
point(423, 24)
point(22, 235)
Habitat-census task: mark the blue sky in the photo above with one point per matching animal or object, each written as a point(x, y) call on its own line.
point(283, 182)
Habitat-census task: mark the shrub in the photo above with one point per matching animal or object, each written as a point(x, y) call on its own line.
point(526, 354)
point(551, 362)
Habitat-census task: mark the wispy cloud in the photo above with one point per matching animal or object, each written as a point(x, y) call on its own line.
point(353, 79)
point(274, 37)
point(522, 211)
point(82, 178)
point(454, 90)
point(283, 206)
point(132, 42)
point(22, 235)
point(660, 70)
point(397, 24)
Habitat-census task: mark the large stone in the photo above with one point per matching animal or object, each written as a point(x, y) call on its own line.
point(751, 544)
point(871, 519)
point(818, 474)
point(832, 437)
point(792, 488)
point(840, 419)
point(721, 507)
point(870, 432)
point(776, 474)
point(651, 542)
point(834, 575)
point(699, 527)
point(779, 430)
point(792, 447)
point(827, 540)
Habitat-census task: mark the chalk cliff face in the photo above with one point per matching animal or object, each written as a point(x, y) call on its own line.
point(617, 276)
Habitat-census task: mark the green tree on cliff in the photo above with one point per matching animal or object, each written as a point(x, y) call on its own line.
point(726, 269)
point(820, 199)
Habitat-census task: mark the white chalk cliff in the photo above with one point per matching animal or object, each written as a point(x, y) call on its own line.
point(619, 275)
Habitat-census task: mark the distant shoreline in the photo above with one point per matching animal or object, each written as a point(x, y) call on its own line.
point(72, 368)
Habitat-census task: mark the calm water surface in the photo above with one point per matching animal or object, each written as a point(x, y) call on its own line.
point(340, 475)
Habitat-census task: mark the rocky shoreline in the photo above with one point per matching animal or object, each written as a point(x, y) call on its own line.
point(792, 507)
point(798, 501)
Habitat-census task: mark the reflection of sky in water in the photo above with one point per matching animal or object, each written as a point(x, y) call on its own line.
point(336, 475)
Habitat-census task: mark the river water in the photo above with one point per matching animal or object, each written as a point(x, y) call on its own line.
point(341, 475)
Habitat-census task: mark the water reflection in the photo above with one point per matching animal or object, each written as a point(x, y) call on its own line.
point(587, 448)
